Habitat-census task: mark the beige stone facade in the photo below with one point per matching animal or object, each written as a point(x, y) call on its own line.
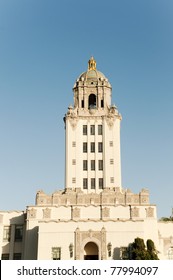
point(93, 217)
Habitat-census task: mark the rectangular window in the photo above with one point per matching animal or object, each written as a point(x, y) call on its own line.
point(73, 180)
point(100, 183)
point(85, 165)
point(73, 162)
point(112, 179)
point(111, 161)
point(100, 164)
point(5, 257)
point(100, 147)
point(18, 233)
point(92, 129)
point(84, 129)
point(73, 144)
point(85, 183)
point(82, 103)
point(92, 147)
point(17, 256)
point(111, 143)
point(56, 253)
point(84, 147)
point(92, 164)
point(6, 233)
point(99, 129)
point(93, 185)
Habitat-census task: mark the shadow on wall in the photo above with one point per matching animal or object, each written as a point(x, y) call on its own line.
point(21, 241)
point(116, 254)
point(31, 244)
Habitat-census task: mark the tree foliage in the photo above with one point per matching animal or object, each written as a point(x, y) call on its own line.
point(151, 250)
point(167, 219)
point(139, 251)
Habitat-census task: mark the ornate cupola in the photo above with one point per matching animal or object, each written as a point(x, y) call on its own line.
point(92, 90)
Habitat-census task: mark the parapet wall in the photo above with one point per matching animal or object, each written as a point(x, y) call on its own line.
point(106, 197)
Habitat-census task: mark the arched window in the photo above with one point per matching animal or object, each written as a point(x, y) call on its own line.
point(92, 101)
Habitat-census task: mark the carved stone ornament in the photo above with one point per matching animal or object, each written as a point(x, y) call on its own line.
point(47, 213)
point(135, 212)
point(72, 116)
point(150, 212)
point(32, 213)
point(83, 237)
point(105, 212)
point(76, 213)
point(110, 121)
point(73, 122)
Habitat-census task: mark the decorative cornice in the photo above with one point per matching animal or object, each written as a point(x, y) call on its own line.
point(90, 220)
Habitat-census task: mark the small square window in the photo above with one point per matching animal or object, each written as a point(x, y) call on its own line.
point(111, 143)
point(112, 179)
point(73, 144)
point(73, 180)
point(73, 162)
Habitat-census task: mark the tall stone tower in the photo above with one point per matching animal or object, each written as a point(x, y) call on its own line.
point(92, 127)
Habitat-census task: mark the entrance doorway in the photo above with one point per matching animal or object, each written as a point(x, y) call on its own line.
point(91, 251)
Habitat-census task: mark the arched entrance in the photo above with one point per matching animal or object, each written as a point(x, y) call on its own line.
point(90, 244)
point(91, 251)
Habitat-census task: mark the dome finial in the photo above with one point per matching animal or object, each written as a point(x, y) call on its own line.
point(92, 64)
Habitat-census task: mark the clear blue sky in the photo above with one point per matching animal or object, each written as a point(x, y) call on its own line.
point(44, 46)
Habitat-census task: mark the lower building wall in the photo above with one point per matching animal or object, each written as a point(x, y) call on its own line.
point(118, 234)
point(74, 239)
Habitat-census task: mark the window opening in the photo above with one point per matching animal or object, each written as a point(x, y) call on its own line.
point(92, 183)
point(85, 183)
point(92, 101)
